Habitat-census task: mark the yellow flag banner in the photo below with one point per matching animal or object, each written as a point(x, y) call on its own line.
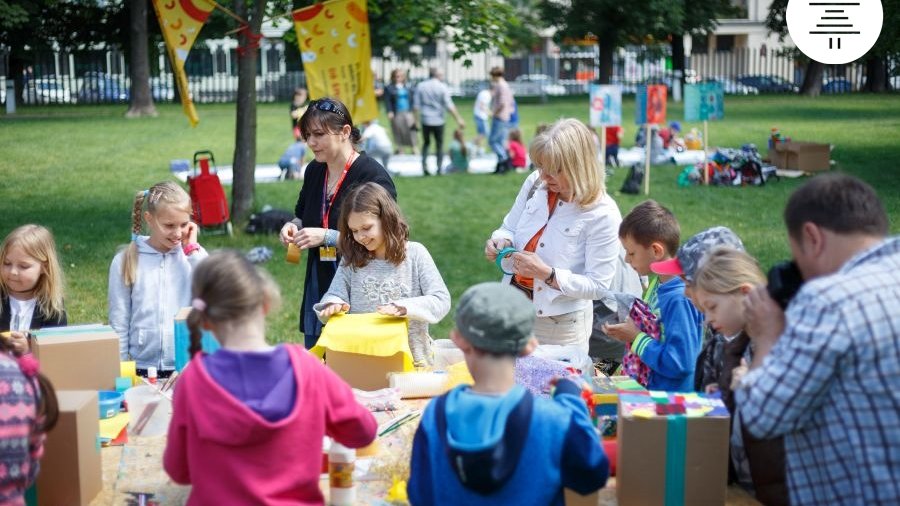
point(180, 22)
point(336, 51)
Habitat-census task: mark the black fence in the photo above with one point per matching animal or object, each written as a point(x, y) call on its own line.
point(101, 76)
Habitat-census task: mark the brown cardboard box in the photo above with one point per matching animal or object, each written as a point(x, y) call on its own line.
point(365, 372)
point(70, 468)
point(84, 357)
point(642, 447)
point(805, 156)
point(572, 498)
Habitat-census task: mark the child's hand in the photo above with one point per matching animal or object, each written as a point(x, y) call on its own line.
point(626, 331)
point(711, 388)
point(191, 231)
point(17, 340)
point(391, 310)
point(335, 308)
point(288, 231)
point(738, 373)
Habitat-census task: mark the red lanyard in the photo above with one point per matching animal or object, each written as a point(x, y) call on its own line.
point(327, 210)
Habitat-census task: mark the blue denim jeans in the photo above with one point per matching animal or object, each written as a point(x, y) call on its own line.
point(497, 139)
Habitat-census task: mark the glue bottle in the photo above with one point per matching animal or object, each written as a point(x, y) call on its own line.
point(341, 461)
point(152, 375)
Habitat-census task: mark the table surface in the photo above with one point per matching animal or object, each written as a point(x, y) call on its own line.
point(137, 466)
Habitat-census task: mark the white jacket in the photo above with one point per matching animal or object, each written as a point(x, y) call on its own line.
point(143, 315)
point(581, 243)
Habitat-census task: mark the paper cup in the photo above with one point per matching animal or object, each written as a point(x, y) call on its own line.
point(293, 254)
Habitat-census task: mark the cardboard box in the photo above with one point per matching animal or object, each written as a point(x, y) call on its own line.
point(804, 156)
point(365, 372)
point(572, 498)
point(82, 357)
point(671, 445)
point(70, 468)
point(208, 342)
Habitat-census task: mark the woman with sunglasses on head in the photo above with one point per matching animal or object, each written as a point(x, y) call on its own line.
point(328, 130)
point(560, 240)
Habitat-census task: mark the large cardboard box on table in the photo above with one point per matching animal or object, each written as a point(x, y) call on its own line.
point(671, 447)
point(82, 357)
point(70, 472)
point(364, 348)
point(805, 156)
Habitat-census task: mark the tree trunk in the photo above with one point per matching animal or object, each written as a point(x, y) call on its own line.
point(876, 74)
point(678, 57)
point(243, 189)
point(141, 99)
point(607, 49)
point(812, 80)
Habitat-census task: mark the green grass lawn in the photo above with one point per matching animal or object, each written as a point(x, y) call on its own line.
point(76, 169)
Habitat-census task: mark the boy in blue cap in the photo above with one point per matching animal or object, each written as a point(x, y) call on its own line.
point(494, 442)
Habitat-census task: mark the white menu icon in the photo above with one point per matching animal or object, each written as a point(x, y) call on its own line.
point(834, 31)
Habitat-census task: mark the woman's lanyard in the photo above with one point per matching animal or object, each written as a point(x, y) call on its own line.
point(326, 211)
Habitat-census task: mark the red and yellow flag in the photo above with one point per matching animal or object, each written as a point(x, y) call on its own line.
point(181, 21)
point(336, 51)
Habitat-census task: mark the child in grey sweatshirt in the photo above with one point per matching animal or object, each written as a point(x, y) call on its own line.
point(382, 271)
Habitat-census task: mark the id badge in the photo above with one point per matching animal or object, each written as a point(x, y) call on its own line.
point(328, 254)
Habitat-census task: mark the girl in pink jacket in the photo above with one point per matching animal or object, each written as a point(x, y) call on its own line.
point(249, 419)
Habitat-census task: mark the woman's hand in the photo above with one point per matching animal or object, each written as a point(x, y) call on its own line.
point(391, 310)
point(17, 341)
point(493, 246)
point(626, 331)
point(738, 373)
point(530, 265)
point(335, 308)
point(309, 237)
point(288, 231)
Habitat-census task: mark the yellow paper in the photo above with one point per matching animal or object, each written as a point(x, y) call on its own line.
point(366, 334)
point(181, 22)
point(459, 375)
point(110, 428)
point(336, 51)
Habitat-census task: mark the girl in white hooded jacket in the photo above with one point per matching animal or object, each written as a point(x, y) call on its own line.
point(150, 279)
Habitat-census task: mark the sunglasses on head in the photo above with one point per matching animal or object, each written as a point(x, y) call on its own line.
point(328, 106)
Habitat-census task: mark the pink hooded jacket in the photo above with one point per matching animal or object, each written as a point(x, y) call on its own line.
point(231, 455)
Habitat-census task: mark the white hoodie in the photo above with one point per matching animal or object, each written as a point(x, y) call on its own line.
point(143, 315)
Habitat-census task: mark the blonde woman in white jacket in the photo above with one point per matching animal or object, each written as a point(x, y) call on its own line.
point(560, 239)
point(150, 279)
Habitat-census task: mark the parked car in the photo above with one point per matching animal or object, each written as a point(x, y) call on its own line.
point(768, 83)
point(837, 85)
point(732, 87)
point(46, 90)
point(100, 87)
point(536, 84)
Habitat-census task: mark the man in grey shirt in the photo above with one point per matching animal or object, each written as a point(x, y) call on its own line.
point(430, 101)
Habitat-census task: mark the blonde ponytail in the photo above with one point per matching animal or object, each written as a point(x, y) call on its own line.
point(129, 259)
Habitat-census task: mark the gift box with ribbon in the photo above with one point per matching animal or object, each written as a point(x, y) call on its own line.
point(673, 449)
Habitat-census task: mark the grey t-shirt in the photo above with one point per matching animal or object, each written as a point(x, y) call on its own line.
point(432, 99)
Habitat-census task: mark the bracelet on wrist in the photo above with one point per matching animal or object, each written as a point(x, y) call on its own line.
point(190, 248)
point(551, 277)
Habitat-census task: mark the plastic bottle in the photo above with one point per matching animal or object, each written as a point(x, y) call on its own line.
point(151, 375)
point(341, 461)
